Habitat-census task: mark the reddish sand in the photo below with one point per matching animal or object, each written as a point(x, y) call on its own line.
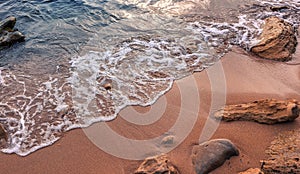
point(247, 78)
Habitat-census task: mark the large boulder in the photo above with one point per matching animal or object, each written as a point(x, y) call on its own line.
point(283, 154)
point(9, 35)
point(212, 154)
point(278, 40)
point(157, 165)
point(267, 111)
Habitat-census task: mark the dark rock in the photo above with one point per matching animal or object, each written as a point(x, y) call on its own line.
point(212, 154)
point(7, 24)
point(252, 171)
point(9, 35)
point(284, 154)
point(9, 38)
point(157, 165)
point(278, 40)
point(3, 134)
point(268, 111)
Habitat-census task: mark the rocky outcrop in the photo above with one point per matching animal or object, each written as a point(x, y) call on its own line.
point(268, 111)
point(157, 165)
point(9, 35)
point(278, 40)
point(283, 154)
point(212, 154)
point(252, 171)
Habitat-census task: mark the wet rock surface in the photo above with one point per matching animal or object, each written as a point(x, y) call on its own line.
point(252, 171)
point(278, 40)
point(267, 111)
point(9, 35)
point(157, 165)
point(3, 136)
point(212, 154)
point(283, 154)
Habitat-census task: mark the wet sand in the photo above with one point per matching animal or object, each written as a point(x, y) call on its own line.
point(247, 79)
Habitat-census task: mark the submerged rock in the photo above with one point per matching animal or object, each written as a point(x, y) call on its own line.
point(252, 171)
point(3, 137)
point(212, 154)
point(283, 154)
point(157, 165)
point(9, 35)
point(107, 86)
point(3, 134)
point(278, 40)
point(268, 111)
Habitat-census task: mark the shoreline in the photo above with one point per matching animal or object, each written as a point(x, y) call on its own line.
point(247, 79)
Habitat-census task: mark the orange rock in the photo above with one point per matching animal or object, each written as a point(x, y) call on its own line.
point(157, 165)
point(278, 40)
point(252, 171)
point(268, 111)
point(107, 86)
point(283, 154)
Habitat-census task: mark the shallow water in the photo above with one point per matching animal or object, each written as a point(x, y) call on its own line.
point(55, 80)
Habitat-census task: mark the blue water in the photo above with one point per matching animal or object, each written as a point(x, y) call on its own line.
point(54, 29)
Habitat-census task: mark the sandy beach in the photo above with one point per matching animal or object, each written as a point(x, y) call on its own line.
point(247, 79)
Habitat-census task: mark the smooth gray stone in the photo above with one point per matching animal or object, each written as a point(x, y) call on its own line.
point(212, 154)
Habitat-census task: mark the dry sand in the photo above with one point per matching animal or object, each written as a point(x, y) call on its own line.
point(247, 79)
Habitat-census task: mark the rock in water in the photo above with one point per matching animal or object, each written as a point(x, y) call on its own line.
point(3, 134)
point(7, 24)
point(212, 154)
point(11, 37)
point(278, 40)
point(252, 171)
point(8, 35)
point(3, 137)
point(157, 165)
point(284, 154)
point(268, 111)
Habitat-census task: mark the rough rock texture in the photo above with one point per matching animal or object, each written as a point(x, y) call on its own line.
point(252, 171)
point(157, 165)
point(9, 35)
point(212, 154)
point(278, 40)
point(268, 111)
point(284, 154)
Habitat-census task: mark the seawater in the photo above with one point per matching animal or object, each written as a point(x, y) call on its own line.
point(54, 82)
